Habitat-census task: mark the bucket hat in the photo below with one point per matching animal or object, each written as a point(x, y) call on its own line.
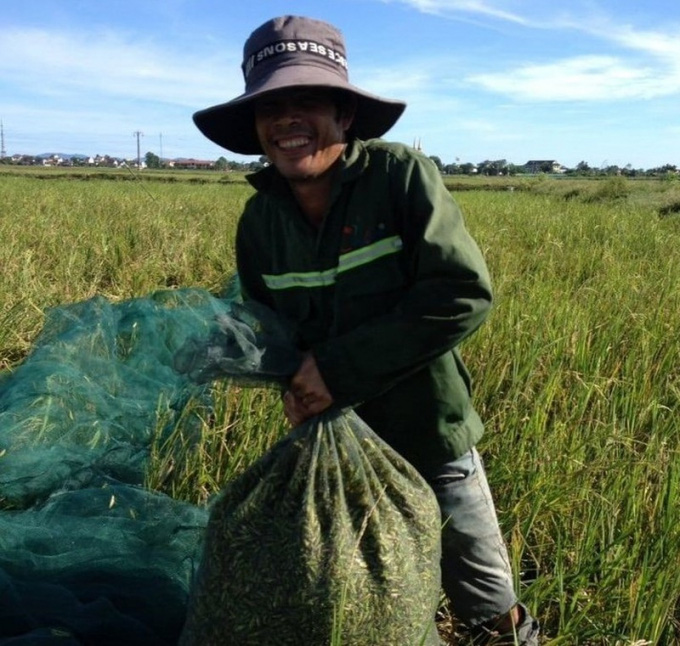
point(286, 52)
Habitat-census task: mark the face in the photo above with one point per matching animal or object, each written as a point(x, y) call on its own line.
point(302, 131)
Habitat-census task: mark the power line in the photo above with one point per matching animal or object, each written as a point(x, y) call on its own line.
point(138, 134)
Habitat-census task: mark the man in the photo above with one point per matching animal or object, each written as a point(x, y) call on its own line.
point(358, 243)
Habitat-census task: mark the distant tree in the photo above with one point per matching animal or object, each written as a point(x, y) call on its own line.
point(437, 162)
point(221, 163)
point(254, 166)
point(513, 169)
point(152, 160)
point(582, 168)
point(667, 170)
point(489, 167)
point(484, 168)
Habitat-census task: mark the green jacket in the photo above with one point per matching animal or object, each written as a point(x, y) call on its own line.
point(381, 294)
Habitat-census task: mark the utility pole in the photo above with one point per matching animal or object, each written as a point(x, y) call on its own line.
point(138, 134)
point(3, 154)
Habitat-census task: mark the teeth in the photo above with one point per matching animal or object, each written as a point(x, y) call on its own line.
point(294, 143)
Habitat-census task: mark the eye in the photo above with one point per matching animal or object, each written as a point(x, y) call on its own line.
point(312, 100)
point(309, 103)
point(266, 108)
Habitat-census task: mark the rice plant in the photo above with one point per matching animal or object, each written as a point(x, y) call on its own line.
point(576, 372)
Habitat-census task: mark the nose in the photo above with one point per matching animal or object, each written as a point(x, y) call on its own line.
point(286, 112)
point(279, 109)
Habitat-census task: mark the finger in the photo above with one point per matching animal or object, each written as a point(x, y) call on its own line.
point(317, 405)
point(294, 409)
point(289, 407)
point(293, 416)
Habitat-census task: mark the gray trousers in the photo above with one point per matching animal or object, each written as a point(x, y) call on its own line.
point(476, 572)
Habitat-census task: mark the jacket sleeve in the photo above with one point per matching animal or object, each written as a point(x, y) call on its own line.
point(248, 257)
point(448, 295)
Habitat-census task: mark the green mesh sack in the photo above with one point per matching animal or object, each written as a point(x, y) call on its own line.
point(331, 535)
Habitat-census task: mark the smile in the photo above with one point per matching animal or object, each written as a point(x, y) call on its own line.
point(295, 142)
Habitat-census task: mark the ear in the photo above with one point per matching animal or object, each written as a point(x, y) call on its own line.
point(346, 111)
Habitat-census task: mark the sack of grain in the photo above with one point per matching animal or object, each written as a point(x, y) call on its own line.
point(330, 538)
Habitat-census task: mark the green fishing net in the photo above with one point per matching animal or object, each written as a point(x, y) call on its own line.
point(89, 556)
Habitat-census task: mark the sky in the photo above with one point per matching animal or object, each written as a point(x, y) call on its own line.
point(586, 80)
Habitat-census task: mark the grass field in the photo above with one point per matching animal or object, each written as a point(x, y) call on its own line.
point(577, 372)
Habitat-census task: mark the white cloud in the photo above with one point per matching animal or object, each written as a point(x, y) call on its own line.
point(643, 64)
point(63, 64)
point(398, 81)
point(582, 78)
point(452, 7)
point(660, 45)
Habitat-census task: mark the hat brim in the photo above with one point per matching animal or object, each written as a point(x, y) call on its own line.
point(232, 124)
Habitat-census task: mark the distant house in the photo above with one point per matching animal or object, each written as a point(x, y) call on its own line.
point(54, 160)
point(103, 160)
point(23, 160)
point(544, 166)
point(191, 164)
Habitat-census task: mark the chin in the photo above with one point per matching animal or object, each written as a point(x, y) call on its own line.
point(301, 177)
point(297, 172)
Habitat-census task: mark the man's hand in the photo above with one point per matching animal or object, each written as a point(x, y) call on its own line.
point(308, 394)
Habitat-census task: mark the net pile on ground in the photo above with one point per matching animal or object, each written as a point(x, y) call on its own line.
point(105, 565)
point(87, 555)
point(330, 538)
